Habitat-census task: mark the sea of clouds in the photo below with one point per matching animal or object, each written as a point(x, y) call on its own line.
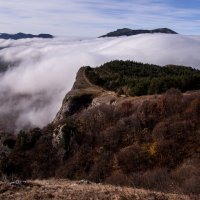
point(31, 93)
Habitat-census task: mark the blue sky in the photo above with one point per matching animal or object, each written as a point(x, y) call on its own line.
point(94, 18)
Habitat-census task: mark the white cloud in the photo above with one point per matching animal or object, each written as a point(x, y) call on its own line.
point(35, 88)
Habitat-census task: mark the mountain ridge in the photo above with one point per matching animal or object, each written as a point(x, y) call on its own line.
point(129, 32)
point(20, 35)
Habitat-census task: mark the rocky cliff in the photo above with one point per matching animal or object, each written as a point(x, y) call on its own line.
point(81, 96)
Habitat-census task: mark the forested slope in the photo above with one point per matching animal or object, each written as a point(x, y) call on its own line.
point(135, 79)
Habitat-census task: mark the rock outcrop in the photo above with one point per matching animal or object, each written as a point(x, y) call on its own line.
point(81, 96)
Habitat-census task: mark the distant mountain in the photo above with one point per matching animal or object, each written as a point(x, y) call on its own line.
point(129, 32)
point(23, 36)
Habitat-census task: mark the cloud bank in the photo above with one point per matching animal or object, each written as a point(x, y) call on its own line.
point(31, 93)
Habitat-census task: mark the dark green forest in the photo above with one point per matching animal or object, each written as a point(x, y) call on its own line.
point(136, 79)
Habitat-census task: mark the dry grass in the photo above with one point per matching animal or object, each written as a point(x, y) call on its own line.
point(69, 190)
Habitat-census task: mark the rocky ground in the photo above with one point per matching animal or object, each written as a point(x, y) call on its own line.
point(82, 190)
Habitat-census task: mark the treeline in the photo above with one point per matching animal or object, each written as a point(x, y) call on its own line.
point(135, 79)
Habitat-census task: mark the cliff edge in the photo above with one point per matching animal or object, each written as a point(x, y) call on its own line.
point(79, 97)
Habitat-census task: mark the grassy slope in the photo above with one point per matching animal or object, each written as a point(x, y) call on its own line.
point(69, 190)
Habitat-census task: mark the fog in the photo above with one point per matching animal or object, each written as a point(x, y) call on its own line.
point(32, 91)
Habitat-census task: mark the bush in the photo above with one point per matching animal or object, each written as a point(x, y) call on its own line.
point(10, 143)
point(133, 158)
point(157, 179)
point(188, 176)
point(118, 178)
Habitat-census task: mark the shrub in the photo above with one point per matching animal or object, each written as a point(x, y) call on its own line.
point(118, 178)
point(10, 143)
point(187, 176)
point(102, 167)
point(157, 179)
point(133, 158)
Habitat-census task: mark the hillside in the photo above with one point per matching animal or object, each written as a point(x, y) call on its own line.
point(73, 190)
point(150, 142)
point(129, 32)
point(136, 79)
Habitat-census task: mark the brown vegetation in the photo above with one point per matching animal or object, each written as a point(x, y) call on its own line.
point(149, 142)
point(68, 190)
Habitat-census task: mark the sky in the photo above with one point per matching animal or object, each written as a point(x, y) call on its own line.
point(92, 18)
